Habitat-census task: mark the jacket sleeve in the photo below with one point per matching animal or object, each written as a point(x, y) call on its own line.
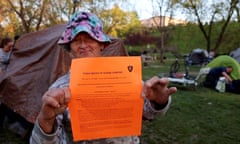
point(149, 112)
point(40, 137)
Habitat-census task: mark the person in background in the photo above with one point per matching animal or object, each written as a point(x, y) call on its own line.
point(233, 86)
point(5, 48)
point(8, 118)
point(215, 73)
point(84, 37)
point(211, 55)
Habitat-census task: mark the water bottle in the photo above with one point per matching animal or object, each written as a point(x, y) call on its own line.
point(221, 84)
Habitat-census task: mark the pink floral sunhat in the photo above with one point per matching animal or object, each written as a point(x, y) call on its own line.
point(84, 22)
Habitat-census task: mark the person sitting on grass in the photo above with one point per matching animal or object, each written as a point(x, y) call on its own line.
point(215, 73)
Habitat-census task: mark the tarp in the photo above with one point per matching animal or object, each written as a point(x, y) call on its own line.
point(197, 56)
point(37, 61)
point(225, 60)
point(236, 54)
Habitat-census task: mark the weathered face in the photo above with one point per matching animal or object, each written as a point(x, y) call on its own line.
point(83, 45)
point(8, 46)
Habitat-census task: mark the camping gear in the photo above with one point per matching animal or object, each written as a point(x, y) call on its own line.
point(178, 77)
point(184, 78)
point(197, 57)
point(225, 60)
point(221, 85)
point(186, 81)
point(234, 87)
point(235, 54)
point(36, 62)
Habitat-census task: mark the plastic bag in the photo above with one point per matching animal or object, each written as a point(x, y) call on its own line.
point(221, 85)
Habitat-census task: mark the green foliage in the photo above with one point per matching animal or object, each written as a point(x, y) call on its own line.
point(38, 14)
point(208, 15)
point(118, 23)
point(187, 37)
point(231, 38)
point(19, 17)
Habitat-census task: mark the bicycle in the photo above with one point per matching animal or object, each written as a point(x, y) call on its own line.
point(175, 67)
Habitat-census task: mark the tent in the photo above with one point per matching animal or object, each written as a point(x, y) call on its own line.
point(36, 62)
point(225, 60)
point(198, 56)
point(235, 54)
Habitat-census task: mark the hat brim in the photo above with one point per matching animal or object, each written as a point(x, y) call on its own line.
point(102, 37)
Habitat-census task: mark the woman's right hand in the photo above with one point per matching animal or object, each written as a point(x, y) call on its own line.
point(54, 102)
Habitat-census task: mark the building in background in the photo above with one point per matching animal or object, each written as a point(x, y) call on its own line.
point(161, 21)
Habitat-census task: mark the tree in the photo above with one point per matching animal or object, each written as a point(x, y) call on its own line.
point(35, 14)
point(162, 8)
point(207, 14)
point(24, 16)
point(118, 22)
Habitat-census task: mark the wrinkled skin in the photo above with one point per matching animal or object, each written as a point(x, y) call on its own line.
point(156, 89)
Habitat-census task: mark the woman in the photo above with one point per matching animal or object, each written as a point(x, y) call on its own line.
point(5, 47)
point(84, 37)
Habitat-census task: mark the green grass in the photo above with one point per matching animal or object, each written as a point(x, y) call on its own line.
point(196, 116)
point(7, 137)
point(199, 116)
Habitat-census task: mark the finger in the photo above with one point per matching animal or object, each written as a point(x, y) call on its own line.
point(149, 84)
point(49, 100)
point(58, 94)
point(61, 96)
point(67, 94)
point(172, 90)
point(146, 89)
point(163, 81)
point(155, 81)
point(152, 81)
point(60, 110)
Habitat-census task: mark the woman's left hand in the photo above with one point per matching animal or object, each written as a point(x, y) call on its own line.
point(157, 91)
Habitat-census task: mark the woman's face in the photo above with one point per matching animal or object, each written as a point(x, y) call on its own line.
point(83, 45)
point(8, 46)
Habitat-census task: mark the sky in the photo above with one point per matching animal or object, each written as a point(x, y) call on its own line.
point(144, 9)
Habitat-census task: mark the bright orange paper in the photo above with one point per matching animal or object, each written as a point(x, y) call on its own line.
point(106, 97)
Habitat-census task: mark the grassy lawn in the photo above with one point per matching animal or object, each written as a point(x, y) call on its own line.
point(197, 116)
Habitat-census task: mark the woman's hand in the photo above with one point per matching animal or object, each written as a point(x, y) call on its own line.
point(54, 102)
point(157, 91)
